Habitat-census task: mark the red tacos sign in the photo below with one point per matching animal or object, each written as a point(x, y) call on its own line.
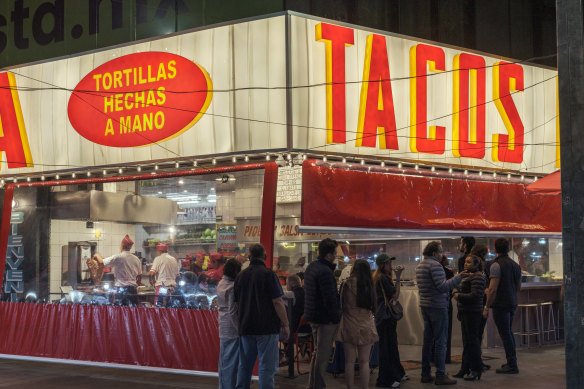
point(140, 99)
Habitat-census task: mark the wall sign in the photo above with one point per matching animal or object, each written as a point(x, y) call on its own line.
point(353, 91)
point(139, 99)
point(387, 96)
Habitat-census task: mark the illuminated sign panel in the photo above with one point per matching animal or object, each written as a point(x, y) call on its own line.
point(387, 96)
point(224, 90)
point(206, 92)
point(140, 99)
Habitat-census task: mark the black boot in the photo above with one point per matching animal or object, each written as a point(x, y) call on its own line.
point(461, 373)
point(474, 376)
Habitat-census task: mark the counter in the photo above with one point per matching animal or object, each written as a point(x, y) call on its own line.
point(410, 329)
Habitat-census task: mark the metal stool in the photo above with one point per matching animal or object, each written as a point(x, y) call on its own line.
point(550, 328)
point(525, 329)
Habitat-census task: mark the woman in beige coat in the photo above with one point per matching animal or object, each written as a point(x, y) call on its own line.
point(357, 329)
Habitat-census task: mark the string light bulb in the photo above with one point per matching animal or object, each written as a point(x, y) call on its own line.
point(246, 158)
point(214, 161)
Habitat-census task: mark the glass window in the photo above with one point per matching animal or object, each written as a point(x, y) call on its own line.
point(65, 241)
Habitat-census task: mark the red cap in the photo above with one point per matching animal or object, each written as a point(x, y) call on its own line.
point(215, 257)
point(200, 255)
point(127, 242)
point(189, 257)
point(162, 246)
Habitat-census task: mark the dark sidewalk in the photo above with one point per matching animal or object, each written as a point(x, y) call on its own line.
point(539, 368)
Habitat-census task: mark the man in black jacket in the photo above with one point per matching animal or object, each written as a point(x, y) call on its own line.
point(466, 244)
point(321, 308)
point(505, 282)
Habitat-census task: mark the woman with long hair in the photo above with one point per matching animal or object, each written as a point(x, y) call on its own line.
point(357, 329)
point(470, 295)
point(391, 371)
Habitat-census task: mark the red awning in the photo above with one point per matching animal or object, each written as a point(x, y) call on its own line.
point(333, 197)
point(550, 185)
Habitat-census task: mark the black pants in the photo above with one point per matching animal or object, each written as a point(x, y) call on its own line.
point(503, 318)
point(470, 323)
point(390, 367)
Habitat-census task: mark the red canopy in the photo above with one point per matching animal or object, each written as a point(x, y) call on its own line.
point(550, 184)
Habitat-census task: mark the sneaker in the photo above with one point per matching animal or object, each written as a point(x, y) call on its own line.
point(427, 379)
point(395, 384)
point(405, 378)
point(444, 380)
point(505, 369)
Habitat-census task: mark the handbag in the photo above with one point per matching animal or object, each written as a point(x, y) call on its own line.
point(394, 309)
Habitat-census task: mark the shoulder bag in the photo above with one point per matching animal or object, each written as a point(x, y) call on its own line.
point(394, 309)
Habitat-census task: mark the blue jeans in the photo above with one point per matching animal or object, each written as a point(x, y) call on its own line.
point(228, 362)
point(503, 318)
point(435, 332)
point(266, 348)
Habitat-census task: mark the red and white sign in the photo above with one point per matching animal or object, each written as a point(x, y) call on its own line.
point(139, 99)
point(353, 91)
point(388, 96)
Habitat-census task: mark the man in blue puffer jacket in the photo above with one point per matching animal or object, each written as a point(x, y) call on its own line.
point(434, 288)
point(321, 308)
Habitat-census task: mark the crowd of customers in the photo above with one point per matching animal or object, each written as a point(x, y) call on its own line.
point(360, 314)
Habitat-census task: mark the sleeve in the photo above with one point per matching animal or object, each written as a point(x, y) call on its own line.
point(108, 261)
point(388, 287)
point(330, 296)
point(439, 279)
point(477, 290)
point(155, 265)
point(233, 314)
point(274, 287)
point(495, 271)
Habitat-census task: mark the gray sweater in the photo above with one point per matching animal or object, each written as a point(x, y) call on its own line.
point(432, 284)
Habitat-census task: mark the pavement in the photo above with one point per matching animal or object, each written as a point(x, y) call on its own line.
point(540, 367)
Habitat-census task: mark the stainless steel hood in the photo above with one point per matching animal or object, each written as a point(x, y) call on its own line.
point(109, 206)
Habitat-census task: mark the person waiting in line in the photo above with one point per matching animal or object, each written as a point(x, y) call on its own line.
point(469, 296)
point(228, 326)
point(504, 284)
point(262, 317)
point(434, 294)
point(127, 270)
point(481, 251)
point(295, 293)
point(357, 329)
point(464, 246)
point(321, 309)
point(449, 274)
point(163, 274)
point(391, 371)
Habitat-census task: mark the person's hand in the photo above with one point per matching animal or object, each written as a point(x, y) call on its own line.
point(455, 296)
point(284, 333)
point(464, 274)
point(485, 313)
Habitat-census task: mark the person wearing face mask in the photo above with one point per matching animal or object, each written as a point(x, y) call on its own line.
point(321, 308)
point(469, 295)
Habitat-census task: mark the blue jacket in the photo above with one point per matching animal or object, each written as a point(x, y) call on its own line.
point(432, 284)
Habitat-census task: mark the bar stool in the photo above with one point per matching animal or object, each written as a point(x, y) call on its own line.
point(550, 328)
point(525, 329)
